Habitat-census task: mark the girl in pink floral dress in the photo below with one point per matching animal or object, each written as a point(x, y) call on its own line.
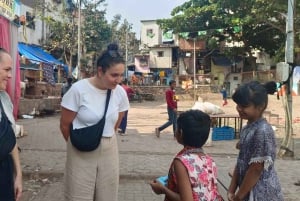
point(193, 174)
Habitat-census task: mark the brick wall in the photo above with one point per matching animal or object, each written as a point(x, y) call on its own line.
point(40, 105)
point(44, 97)
point(159, 91)
point(42, 89)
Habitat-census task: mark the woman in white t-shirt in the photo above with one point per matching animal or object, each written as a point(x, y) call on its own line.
point(94, 175)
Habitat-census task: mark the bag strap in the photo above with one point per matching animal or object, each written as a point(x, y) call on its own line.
point(2, 109)
point(107, 101)
point(3, 114)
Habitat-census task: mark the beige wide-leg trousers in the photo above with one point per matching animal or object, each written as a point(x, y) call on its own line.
point(93, 176)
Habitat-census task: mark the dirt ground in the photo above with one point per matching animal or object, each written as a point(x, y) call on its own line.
point(43, 151)
point(275, 106)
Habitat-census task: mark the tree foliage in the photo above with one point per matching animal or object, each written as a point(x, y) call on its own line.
point(96, 31)
point(122, 34)
point(262, 22)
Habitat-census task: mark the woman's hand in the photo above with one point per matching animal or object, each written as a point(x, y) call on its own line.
point(18, 187)
point(157, 187)
point(67, 117)
point(230, 196)
point(236, 198)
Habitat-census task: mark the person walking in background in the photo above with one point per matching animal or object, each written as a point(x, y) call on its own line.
point(224, 95)
point(161, 77)
point(254, 175)
point(66, 86)
point(130, 93)
point(10, 167)
point(171, 100)
point(134, 80)
point(193, 174)
point(94, 175)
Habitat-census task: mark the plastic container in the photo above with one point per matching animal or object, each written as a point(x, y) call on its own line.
point(223, 133)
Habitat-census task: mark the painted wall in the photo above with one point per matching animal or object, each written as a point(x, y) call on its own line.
point(150, 39)
point(161, 62)
point(34, 36)
point(219, 73)
point(157, 38)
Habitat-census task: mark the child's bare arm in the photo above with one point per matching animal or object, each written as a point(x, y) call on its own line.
point(158, 188)
point(252, 176)
point(233, 184)
point(184, 184)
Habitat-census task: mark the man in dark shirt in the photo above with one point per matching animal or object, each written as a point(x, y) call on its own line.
point(130, 93)
point(66, 86)
point(171, 100)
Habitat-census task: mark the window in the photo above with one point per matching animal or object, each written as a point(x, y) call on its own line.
point(160, 54)
point(30, 20)
point(150, 33)
point(143, 62)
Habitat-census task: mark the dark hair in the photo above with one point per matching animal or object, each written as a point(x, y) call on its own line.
point(254, 93)
point(109, 57)
point(69, 80)
point(195, 126)
point(171, 82)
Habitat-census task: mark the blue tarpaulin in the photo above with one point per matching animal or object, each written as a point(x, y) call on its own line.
point(37, 55)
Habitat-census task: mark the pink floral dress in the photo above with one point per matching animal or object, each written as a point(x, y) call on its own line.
point(202, 171)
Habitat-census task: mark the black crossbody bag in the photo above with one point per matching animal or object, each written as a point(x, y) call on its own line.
point(7, 135)
point(88, 138)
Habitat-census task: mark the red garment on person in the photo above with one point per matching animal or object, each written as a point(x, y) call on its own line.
point(171, 99)
point(128, 90)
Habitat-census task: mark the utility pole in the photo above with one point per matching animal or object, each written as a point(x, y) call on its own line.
point(78, 41)
point(194, 68)
point(289, 58)
point(126, 53)
point(43, 23)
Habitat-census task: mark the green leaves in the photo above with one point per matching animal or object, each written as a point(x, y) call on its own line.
point(259, 24)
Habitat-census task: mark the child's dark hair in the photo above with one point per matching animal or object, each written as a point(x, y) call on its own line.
point(110, 57)
point(171, 82)
point(254, 93)
point(195, 127)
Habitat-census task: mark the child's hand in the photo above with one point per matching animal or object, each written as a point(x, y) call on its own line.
point(157, 187)
point(237, 146)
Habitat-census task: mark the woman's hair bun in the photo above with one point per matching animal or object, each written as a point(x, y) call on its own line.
point(271, 87)
point(112, 47)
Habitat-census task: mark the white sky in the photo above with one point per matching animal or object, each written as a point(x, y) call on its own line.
point(136, 10)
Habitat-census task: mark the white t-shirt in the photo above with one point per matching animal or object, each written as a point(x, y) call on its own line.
point(89, 103)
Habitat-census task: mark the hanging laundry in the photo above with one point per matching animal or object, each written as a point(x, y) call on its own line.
point(48, 73)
